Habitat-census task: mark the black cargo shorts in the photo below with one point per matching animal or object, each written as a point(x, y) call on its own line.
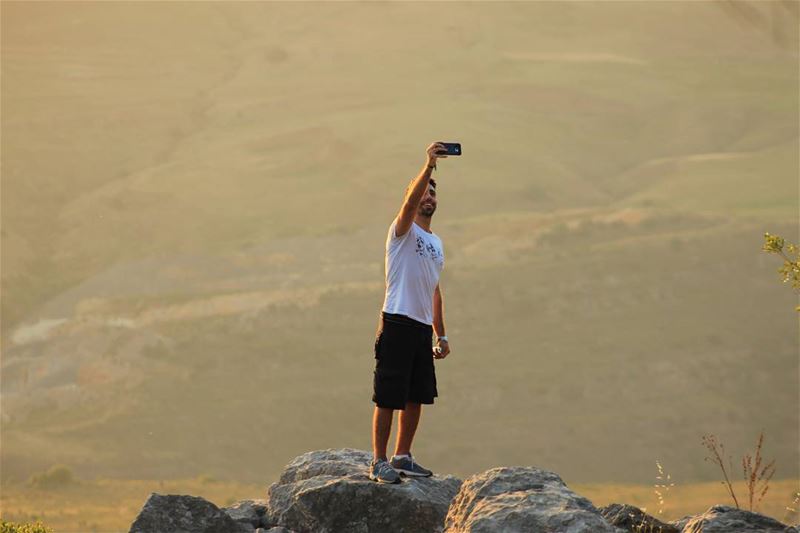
point(404, 370)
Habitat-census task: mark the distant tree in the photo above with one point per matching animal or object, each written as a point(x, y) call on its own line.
point(790, 270)
point(56, 477)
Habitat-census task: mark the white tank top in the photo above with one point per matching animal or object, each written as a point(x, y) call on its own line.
point(414, 262)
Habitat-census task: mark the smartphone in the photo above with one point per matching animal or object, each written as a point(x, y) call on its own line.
point(452, 149)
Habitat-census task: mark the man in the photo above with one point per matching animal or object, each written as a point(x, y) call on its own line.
point(412, 309)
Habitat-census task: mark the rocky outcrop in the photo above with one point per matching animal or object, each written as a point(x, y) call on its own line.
point(522, 499)
point(724, 519)
point(164, 513)
point(330, 491)
point(634, 520)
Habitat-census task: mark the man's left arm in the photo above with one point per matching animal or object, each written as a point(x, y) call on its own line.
point(438, 322)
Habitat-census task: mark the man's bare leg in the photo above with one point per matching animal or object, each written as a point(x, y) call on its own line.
point(409, 419)
point(381, 428)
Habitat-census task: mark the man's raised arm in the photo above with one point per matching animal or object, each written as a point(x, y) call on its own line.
point(416, 191)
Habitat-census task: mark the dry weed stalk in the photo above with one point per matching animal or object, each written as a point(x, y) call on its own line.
point(718, 451)
point(792, 509)
point(665, 483)
point(754, 476)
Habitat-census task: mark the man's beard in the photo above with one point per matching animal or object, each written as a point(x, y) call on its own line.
point(427, 211)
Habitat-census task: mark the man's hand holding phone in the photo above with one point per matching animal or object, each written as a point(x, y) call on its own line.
point(434, 152)
point(443, 150)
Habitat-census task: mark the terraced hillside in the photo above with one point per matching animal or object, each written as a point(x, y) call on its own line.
point(196, 199)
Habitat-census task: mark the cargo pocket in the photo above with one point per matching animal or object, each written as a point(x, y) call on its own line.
point(390, 388)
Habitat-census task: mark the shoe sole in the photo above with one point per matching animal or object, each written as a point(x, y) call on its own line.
point(412, 474)
point(379, 480)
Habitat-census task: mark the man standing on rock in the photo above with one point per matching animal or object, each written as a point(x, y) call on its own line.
point(412, 309)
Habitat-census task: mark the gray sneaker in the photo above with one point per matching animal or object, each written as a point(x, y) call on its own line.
point(380, 471)
point(409, 467)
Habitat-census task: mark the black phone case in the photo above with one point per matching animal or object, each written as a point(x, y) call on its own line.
point(452, 149)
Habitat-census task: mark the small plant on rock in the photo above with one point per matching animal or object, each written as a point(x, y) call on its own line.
point(717, 450)
point(793, 509)
point(663, 485)
point(756, 475)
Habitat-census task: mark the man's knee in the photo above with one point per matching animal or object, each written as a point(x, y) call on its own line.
point(383, 415)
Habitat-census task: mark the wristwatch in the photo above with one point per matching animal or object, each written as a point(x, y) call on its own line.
point(442, 338)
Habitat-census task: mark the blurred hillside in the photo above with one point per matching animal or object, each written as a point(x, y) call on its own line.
point(196, 198)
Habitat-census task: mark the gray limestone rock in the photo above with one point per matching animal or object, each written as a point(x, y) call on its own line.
point(633, 519)
point(249, 512)
point(725, 519)
point(327, 491)
point(522, 499)
point(173, 513)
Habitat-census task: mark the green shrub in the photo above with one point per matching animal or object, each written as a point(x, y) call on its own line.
point(773, 244)
point(11, 527)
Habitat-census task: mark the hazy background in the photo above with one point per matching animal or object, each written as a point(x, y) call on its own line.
point(195, 200)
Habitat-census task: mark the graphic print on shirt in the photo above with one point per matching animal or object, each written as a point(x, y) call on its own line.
point(427, 250)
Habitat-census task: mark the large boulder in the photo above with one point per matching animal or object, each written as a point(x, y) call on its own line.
point(522, 499)
point(330, 491)
point(634, 520)
point(725, 519)
point(173, 513)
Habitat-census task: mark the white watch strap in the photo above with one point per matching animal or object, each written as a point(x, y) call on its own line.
point(442, 338)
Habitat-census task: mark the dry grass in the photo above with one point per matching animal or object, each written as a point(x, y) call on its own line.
point(664, 483)
point(108, 505)
point(792, 514)
point(688, 498)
